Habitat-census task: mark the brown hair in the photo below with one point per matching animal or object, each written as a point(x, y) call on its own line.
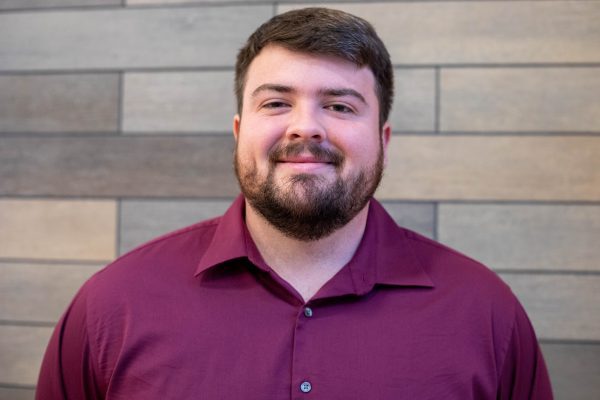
point(322, 31)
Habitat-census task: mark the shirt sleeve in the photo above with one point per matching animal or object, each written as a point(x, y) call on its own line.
point(524, 374)
point(68, 371)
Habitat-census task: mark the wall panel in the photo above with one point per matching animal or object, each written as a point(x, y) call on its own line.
point(564, 307)
point(59, 103)
point(524, 236)
point(39, 292)
point(126, 38)
point(520, 99)
point(493, 168)
point(483, 32)
point(181, 166)
point(57, 229)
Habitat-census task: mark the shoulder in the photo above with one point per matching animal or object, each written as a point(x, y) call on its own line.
point(124, 297)
point(474, 295)
point(180, 248)
point(450, 269)
point(160, 265)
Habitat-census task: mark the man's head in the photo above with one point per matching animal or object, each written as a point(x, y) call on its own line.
point(310, 146)
point(324, 32)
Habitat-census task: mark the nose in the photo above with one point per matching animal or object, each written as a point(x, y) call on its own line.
point(305, 124)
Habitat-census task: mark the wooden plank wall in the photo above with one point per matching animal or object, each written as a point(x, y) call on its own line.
point(115, 126)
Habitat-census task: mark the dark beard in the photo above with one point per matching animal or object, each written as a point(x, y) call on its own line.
point(320, 211)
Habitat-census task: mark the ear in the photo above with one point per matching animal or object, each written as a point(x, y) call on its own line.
point(386, 134)
point(236, 126)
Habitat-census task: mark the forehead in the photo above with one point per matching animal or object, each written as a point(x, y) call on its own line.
point(307, 72)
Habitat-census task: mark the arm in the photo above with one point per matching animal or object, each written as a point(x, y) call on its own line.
point(68, 370)
point(524, 374)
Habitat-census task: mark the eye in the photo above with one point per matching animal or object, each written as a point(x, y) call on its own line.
point(274, 104)
point(340, 108)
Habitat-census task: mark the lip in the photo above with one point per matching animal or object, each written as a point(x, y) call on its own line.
point(303, 160)
point(304, 163)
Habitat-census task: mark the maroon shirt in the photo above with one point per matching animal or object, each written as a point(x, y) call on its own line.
point(197, 314)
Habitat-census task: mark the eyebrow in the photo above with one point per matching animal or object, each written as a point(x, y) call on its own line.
point(341, 92)
point(272, 87)
point(330, 92)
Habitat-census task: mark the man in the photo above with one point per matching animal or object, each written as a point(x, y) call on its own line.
point(305, 288)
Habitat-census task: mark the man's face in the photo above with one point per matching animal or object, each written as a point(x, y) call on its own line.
point(309, 151)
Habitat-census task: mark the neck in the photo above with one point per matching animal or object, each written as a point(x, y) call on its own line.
point(306, 265)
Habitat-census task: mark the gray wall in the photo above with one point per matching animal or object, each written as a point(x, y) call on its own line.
point(115, 127)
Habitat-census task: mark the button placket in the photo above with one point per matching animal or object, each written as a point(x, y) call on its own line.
point(301, 372)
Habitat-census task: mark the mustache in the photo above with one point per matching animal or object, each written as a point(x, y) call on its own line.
point(321, 154)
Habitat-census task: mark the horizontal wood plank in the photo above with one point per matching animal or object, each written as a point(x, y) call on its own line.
point(126, 38)
point(414, 100)
point(21, 353)
point(520, 99)
point(39, 292)
point(143, 220)
point(556, 168)
point(16, 393)
point(57, 229)
point(419, 217)
point(182, 166)
point(574, 370)
point(524, 236)
point(28, 4)
point(564, 307)
point(59, 103)
point(179, 102)
point(466, 32)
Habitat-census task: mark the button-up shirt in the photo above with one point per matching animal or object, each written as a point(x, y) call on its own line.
point(198, 314)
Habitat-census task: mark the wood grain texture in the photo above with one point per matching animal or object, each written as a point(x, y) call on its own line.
point(564, 307)
point(420, 167)
point(149, 2)
point(179, 102)
point(418, 217)
point(414, 100)
point(127, 38)
point(39, 292)
point(57, 229)
point(520, 99)
point(8, 393)
point(59, 103)
point(524, 236)
point(459, 32)
point(22, 350)
point(143, 220)
point(21, 4)
point(492, 168)
point(182, 166)
point(574, 370)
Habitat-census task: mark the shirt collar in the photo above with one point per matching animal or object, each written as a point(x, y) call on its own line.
point(229, 239)
point(386, 254)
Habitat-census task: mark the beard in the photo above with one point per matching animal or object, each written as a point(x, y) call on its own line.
point(306, 206)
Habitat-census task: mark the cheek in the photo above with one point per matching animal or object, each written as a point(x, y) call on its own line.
point(252, 155)
point(360, 146)
point(258, 136)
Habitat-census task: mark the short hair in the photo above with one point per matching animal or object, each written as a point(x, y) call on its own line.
point(322, 31)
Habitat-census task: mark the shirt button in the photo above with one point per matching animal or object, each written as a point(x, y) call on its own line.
point(308, 312)
point(305, 387)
